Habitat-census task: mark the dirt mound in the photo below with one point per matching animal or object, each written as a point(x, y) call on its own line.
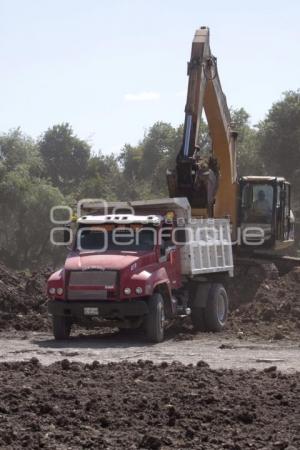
point(262, 302)
point(23, 300)
point(145, 406)
point(268, 306)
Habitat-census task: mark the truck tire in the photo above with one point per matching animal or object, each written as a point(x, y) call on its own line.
point(155, 319)
point(198, 319)
point(199, 294)
point(216, 310)
point(61, 327)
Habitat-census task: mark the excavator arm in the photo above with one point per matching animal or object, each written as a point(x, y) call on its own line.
point(210, 184)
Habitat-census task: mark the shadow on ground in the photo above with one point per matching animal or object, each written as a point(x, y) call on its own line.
point(114, 338)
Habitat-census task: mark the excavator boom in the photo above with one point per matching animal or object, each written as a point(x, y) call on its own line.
point(258, 207)
point(205, 92)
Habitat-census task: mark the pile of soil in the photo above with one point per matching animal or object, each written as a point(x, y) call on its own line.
point(263, 303)
point(23, 303)
point(266, 306)
point(146, 406)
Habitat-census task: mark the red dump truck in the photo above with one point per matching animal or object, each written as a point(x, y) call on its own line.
point(142, 265)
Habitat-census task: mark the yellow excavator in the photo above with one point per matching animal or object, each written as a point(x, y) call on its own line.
point(259, 207)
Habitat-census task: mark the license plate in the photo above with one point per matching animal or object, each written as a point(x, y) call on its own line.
point(91, 311)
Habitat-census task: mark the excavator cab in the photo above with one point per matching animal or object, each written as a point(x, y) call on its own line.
point(265, 217)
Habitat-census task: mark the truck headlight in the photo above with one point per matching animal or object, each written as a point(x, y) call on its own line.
point(138, 290)
point(127, 291)
point(59, 291)
point(52, 291)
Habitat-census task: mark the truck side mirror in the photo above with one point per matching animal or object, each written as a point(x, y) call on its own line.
point(166, 249)
point(169, 250)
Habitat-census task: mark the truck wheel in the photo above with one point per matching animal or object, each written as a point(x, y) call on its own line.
point(155, 318)
point(216, 309)
point(198, 319)
point(61, 327)
point(199, 294)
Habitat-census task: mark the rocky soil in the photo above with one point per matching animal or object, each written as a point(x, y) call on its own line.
point(267, 307)
point(23, 303)
point(70, 405)
point(73, 405)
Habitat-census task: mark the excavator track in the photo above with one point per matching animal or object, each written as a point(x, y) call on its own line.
point(283, 263)
point(272, 265)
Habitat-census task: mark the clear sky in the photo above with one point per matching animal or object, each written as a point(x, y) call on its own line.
point(111, 68)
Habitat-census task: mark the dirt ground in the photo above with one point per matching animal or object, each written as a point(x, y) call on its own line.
point(70, 405)
point(235, 390)
point(218, 350)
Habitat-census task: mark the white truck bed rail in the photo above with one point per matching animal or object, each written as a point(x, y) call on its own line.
point(208, 248)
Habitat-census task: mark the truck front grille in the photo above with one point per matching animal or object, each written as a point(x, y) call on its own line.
point(92, 284)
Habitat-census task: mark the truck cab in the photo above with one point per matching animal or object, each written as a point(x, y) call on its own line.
point(140, 269)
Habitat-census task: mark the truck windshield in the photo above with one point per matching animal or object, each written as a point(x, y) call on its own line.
point(121, 239)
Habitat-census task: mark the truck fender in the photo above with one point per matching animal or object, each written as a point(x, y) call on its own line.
point(161, 283)
point(157, 281)
point(57, 276)
point(163, 288)
point(151, 279)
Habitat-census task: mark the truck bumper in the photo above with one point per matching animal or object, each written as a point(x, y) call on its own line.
point(106, 309)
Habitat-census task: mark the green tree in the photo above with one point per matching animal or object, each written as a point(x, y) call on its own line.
point(248, 158)
point(102, 179)
point(144, 166)
point(159, 144)
point(65, 157)
point(130, 160)
point(25, 201)
point(279, 138)
point(15, 149)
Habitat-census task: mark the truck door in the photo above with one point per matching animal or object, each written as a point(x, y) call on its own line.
point(170, 257)
point(287, 216)
point(283, 208)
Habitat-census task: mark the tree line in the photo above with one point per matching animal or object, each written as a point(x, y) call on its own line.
point(59, 169)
